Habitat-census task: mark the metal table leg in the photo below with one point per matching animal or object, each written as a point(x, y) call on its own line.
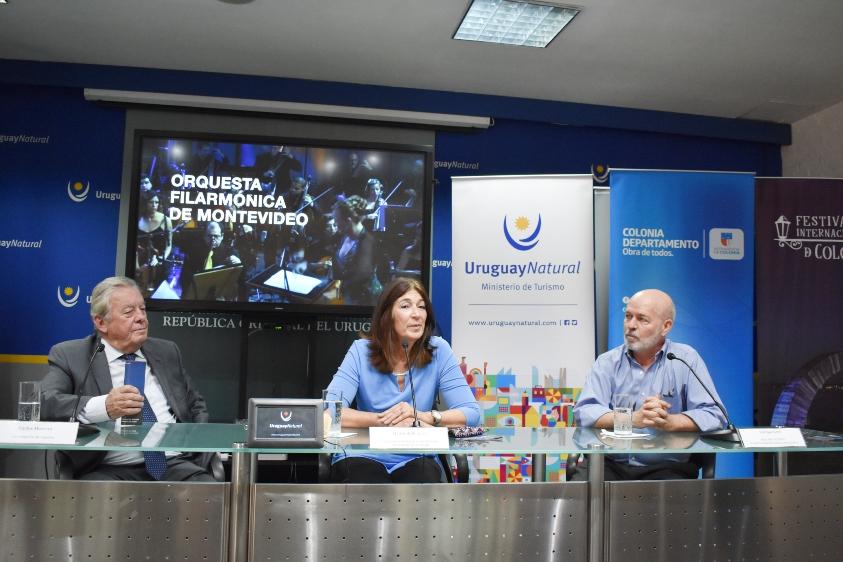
point(539, 465)
point(596, 514)
point(781, 463)
point(242, 477)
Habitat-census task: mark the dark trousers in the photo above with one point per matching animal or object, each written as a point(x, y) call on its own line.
point(613, 470)
point(359, 470)
point(179, 469)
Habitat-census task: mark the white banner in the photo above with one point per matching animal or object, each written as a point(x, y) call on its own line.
point(523, 278)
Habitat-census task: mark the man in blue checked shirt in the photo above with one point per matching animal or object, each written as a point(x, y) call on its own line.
point(664, 394)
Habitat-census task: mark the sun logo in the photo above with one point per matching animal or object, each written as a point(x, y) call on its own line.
point(78, 191)
point(600, 173)
point(67, 296)
point(522, 223)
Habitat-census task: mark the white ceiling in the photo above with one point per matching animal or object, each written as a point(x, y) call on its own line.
point(772, 60)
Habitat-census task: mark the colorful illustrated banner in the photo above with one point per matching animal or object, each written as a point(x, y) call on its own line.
point(799, 304)
point(523, 279)
point(691, 234)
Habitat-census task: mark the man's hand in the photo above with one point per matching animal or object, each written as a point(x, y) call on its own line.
point(397, 415)
point(123, 401)
point(653, 413)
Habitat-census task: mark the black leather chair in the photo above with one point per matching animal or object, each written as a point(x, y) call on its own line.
point(706, 463)
point(458, 473)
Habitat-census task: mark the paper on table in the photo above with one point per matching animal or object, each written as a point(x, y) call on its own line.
point(417, 438)
point(339, 436)
point(293, 282)
point(772, 437)
point(38, 433)
point(607, 433)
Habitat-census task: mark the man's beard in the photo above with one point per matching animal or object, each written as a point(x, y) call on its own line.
point(643, 343)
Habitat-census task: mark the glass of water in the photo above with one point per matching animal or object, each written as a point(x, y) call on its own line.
point(332, 406)
point(622, 412)
point(29, 401)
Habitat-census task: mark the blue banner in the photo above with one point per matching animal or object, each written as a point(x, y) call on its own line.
point(691, 234)
point(61, 159)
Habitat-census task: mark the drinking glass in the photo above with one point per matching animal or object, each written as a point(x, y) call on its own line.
point(29, 401)
point(332, 408)
point(622, 412)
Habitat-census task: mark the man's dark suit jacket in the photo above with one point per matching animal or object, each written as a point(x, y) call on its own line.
point(68, 362)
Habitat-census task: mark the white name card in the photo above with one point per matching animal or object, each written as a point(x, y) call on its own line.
point(772, 437)
point(416, 438)
point(38, 433)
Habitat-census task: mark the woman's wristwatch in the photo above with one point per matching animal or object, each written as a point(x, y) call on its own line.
point(437, 417)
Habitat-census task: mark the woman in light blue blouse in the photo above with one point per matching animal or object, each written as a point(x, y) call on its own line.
point(374, 373)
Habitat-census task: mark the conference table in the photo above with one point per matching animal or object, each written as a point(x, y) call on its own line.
point(782, 517)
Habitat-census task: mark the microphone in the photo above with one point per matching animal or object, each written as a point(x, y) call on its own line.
point(284, 270)
point(405, 345)
point(730, 433)
point(85, 429)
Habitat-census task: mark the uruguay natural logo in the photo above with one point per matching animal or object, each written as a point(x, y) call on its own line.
point(286, 415)
point(78, 191)
point(522, 240)
point(67, 296)
point(600, 173)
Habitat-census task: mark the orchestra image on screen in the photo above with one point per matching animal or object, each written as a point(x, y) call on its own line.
point(244, 223)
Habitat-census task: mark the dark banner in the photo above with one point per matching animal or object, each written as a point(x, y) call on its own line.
point(799, 225)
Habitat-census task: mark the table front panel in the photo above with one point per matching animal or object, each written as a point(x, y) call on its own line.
point(420, 522)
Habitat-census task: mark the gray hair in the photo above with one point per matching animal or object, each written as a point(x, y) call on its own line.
point(101, 296)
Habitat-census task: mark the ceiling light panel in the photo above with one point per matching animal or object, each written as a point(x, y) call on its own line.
point(511, 22)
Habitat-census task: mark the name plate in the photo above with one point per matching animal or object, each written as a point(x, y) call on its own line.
point(416, 438)
point(285, 422)
point(772, 437)
point(38, 433)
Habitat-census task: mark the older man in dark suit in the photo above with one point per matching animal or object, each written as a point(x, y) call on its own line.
point(119, 316)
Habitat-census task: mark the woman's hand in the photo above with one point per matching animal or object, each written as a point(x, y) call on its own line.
point(397, 415)
point(409, 423)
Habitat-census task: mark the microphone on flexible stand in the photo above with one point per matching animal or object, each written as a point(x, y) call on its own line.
point(729, 434)
point(405, 345)
point(284, 269)
point(85, 429)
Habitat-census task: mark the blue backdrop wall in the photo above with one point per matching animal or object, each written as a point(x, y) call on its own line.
point(61, 164)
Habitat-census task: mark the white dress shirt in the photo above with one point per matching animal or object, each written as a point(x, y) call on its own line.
point(95, 410)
